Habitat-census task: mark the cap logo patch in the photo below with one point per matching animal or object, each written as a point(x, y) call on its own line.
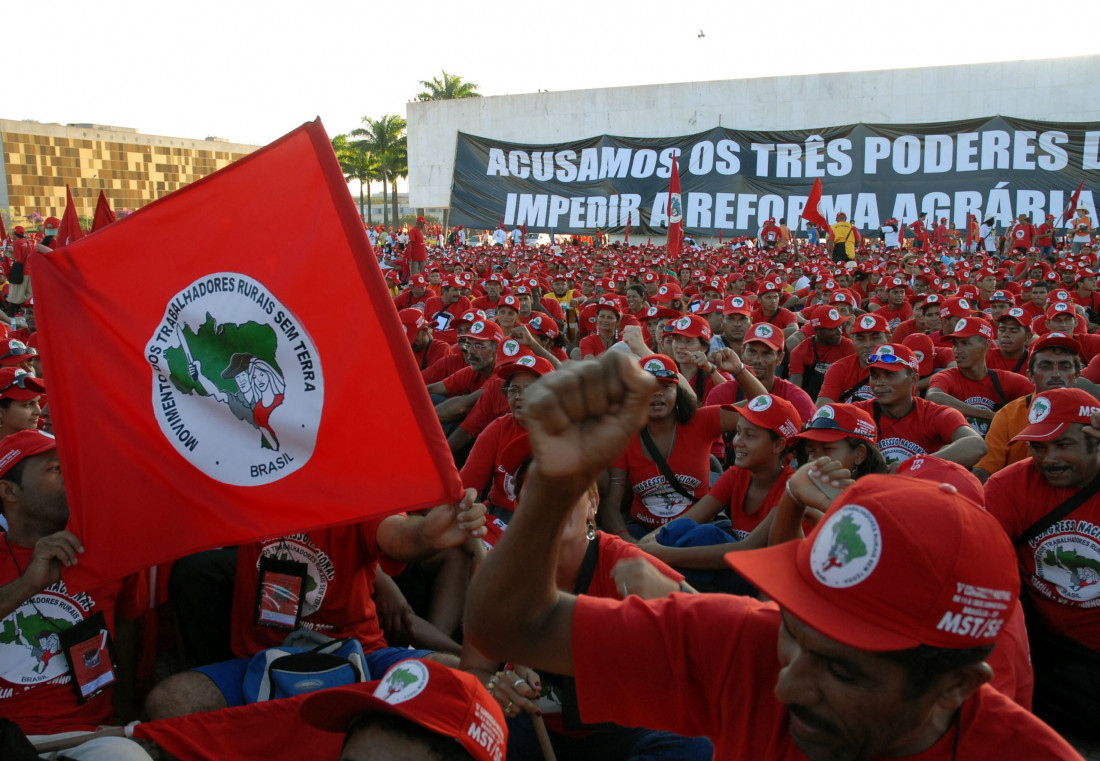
point(760, 403)
point(834, 314)
point(651, 312)
point(738, 302)
point(1040, 408)
point(653, 365)
point(825, 412)
point(847, 548)
point(960, 326)
point(663, 290)
point(867, 322)
point(527, 361)
point(764, 331)
point(478, 327)
point(918, 354)
point(964, 304)
point(683, 323)
point(510, 348)
point(403, 682)
point(885, 349)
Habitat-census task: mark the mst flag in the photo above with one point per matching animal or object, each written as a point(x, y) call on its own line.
point(104, 215)
point(812, 213)
point(1071, 207)
point(230, 388)
point(675, 213)
point(70, 231)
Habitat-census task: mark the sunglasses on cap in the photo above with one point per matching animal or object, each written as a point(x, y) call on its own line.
point(823, 423)
point(17, 351)
point(662, 374)
point(887, 359)
point(20, 382)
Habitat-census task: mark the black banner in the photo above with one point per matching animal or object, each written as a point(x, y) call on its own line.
point(734, 180)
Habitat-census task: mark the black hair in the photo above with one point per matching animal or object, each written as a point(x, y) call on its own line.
point(685, 407)
point(925, 664)
point(873, 461)
point(638, 289)
point(1059, 350)
point(15, 473)
point(441, 748)
point(5, 403)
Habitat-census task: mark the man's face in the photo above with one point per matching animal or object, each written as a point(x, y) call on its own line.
point(634, 300)
point(23, 416)
point(761, 359)
point(827, 336)
point(969, 352)
point(1039, 295)
point(769, 301)
point(896, 297)
point(890, 387)
point(1066, 462)
point(525, 302)
point(464, 346)
point(493, 290)
point(1063, 322)
point(1053, 368)
point(651, 287)
point(866, 343)
point(434, 278)
point(919, 286)
point(683, 347)
point(420, 343)
point(42, 494)
point(482, 355)
point(845, 704)
point(998, 308)
point(560, 287)
point(988, 284)
point(948, 323)
point(735, 326)
point(449, 295)
point(1087, 283)
point(1011, 336)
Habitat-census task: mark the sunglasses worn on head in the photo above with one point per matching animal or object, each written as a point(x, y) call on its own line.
point(19, 382)
point(828, 424)
point(887, 359)
point(662, 374)
point(17, 351)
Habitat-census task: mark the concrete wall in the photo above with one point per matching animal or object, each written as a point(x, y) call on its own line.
point(1047, 90)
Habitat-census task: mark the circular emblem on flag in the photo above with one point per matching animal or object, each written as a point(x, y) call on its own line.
point(866, 321)
point(402, 682)
point(960, 326)
point(764, 330)
point(238, 388)
point(1040, 408)
point(510, 347)
point(675, 209)
point(847, 548)
point(760, 403)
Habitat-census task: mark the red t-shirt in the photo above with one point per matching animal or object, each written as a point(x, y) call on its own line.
point(441, 316)
point(926, 429)
point(730, 393)
point(486, 304)
point(592, 345)
point(895, 317)
point(843, 375)
point(1061, 567)
point(489, 406)
point(995, 361)
point(340, 566)
point(36, 690)
point(433, 352)
point(655, 502)
point(982, 393)
point(483, 463)
point(731, 489)
point(406, 300)
point(802, 356)
point(449, 364)
point(465, 381)
point(728, 694)
point(781, 319)
point(904, 329)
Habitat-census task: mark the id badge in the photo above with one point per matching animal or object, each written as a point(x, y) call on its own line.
point(281, 593)
point(90, 654)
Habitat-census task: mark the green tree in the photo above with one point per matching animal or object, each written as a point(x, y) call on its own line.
point(357, 163)
point(448, 88)
point(386, 142)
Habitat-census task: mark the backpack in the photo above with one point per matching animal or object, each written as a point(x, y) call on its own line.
point(287, 670)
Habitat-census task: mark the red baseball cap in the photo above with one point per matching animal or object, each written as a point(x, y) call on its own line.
point(412, 319)
point(944, 472)
point(1017, 314)
point(1052, 412)
point(668, 293)
point(692, 326)
point(924, 351)
point(17, 446)
point(1003, 296)
point(611, 305)
point(544, 326)
point(772, 413)
point(956, 306)
point(420, 280)
point(871, 575)
point(525, 363)
point(893, 357)
point(442, 700)
point(51, 225)
point(1056, 339)
point(765, 333)
point(16, 383)
point(662, 366)
point(657, 313)
point(14, 352)
point(485, 330)
point(972, 326)
point(834, 422)
point(510, 350)
point(871, 323)
point(828, 318)
point(737, 305)
point(469, 317)
point(1060, 308)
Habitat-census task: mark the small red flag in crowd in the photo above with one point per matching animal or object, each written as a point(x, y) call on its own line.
point(812, 212)
point(242, 405)
point(70, 230)
point(675, 213)
point(103, 213)
point(626, 239)
point(1071, 208)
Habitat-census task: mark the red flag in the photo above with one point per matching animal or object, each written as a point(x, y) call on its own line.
point(1071, 207)
point(3, 232)
point(719, 236)
point(675, 212)
point(524, 242)
point(70, 231)
point(626, 238)
point(969, 230)
point(103, 213)
point(270, 730)
point(243, 405)
point(812, 212)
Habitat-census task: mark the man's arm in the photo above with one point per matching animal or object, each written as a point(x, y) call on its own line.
point(966, 447)
point(409, 538)
point(578, 419)
point(940, 396)
point(50, 553)
point(996, 444)
point(457, 407)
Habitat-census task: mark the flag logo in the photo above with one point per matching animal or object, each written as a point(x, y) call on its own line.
point(403, 682)
point(675, 210)
point(1040, 408)
point(237, 382)
point(847, 548)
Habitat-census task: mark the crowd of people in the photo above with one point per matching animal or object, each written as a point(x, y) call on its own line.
point(878, 457)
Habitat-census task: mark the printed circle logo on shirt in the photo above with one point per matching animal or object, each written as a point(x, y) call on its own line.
point(319, 567)
point(847, 548)
point(403, 682)
point(237, 383)
point(510, 348)
point(30, 639)
point(1040, 408)
point(760, 403)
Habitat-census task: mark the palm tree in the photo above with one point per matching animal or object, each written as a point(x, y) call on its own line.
point(386, 143)
point(448, 88)
point(357, 164)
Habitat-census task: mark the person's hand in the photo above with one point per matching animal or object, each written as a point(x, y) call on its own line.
point(523, 336)
point(395, 615)
point(50, 554)
point(819, 482)
point(637, 576)
point(727, 360)
point(632, 337)
point(193, 368)
point(516, 690)
point(451, 525)
point(582, 416)
point(699, 359)
point(983, 414)
point(1093, 428)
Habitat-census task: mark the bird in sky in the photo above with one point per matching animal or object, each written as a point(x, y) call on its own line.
point(701, 35)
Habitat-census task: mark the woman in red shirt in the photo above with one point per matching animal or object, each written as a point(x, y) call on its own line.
point(844, 433)
point(608, 316)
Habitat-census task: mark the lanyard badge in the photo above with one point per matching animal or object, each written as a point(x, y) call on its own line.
point(90, 654)
point(280, 594)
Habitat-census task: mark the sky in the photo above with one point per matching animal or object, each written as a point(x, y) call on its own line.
point(252, 71)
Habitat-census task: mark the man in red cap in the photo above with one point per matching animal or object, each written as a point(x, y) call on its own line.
point(896, 310)
point(736, 320)
point(881, 644)
point(846, 379)
point(449, 304)
point(768, 309)
point(1013, 336)
point(810, 360)
point(1050, 508)
point(417, 253)
point(417, 710)
point(1054, 362)
point(417, 295)
point(418, 330)
point(971, 387)
point(36, 605)
point(1044, 237)
point(456, 394)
